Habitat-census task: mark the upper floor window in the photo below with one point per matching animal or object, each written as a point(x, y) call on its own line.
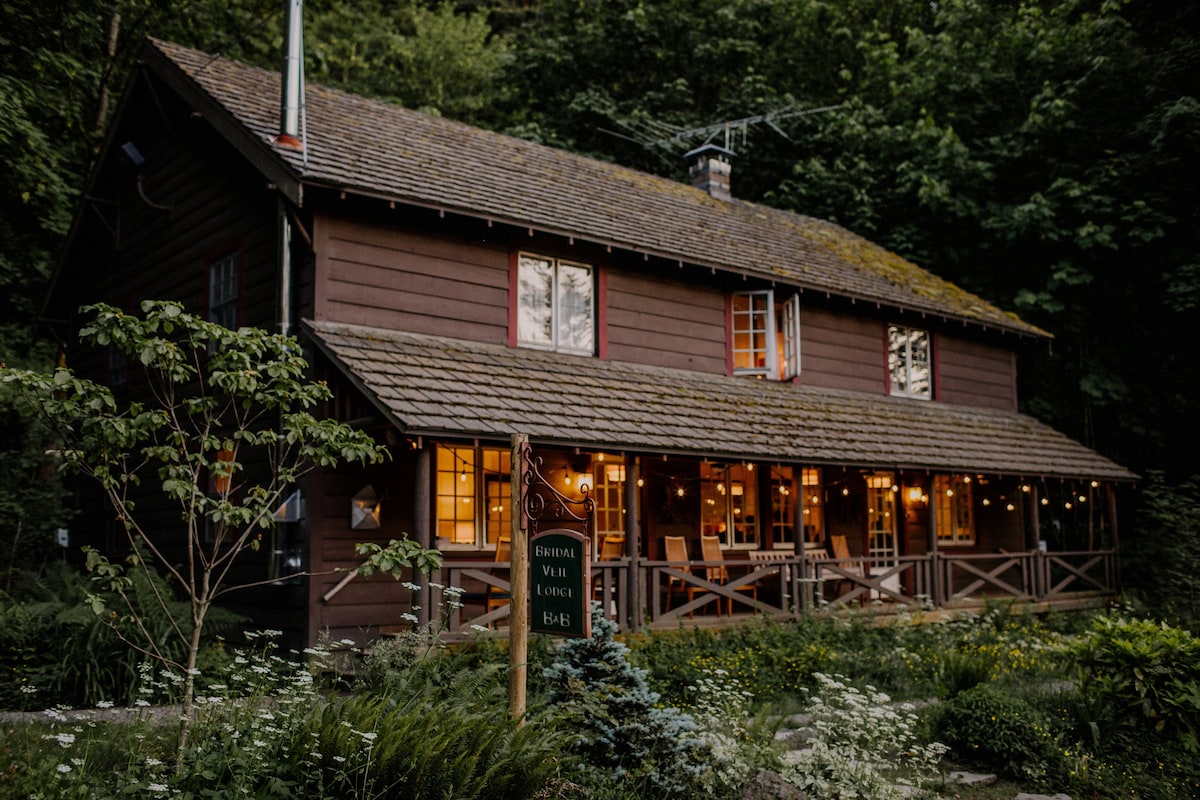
point(729, 503)
point(474, 498)
point(223, 279)
point(555, 305)
point(952, 504)
point(909, 362)
point(765, 336)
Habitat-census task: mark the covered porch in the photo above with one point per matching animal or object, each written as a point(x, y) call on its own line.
point(717, 497)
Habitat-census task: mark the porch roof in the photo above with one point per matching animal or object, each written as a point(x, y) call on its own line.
point(436, 386)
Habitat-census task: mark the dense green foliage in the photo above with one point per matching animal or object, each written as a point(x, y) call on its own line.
point(225, 432)
point(55, 650)
point(1004, 732)
point(433, 720)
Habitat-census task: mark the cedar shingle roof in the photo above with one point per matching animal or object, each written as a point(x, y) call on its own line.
point(445, 387)
point(382, 150)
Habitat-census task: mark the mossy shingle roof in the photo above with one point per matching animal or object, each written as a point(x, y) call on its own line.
point(379, 149)
point(444, 387)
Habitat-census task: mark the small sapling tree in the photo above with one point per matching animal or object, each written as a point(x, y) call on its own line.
point(225, 429)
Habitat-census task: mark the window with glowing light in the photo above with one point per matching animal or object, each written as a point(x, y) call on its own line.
point(882, 540)
point(783, 507)
point(765, 335)
point(909, 362)
point(953, 508)
point(608, 491)
point(555, 305)
point(474, 500)
point(729, 503)
point(814, 506)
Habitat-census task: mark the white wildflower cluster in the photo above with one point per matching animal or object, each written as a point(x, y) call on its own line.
point(861, 745)
point(721, 708)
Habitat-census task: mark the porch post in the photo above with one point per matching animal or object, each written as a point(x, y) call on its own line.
point(1110, 492)
point(422, 527)
point(935, 561)
point(633, 543)
point(799, 588)
point(1035, 523)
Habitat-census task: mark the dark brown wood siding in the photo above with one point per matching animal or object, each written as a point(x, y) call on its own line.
point(840, 351)
point(975, 374)
point(665, 323)
point(389, 278)
point(365, 605)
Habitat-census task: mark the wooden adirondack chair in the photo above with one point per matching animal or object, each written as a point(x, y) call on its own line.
point(710, 548)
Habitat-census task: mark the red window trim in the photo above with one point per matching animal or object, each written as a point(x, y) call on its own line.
point(601, 276)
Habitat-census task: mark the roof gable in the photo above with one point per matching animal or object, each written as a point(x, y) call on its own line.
point(379, 149)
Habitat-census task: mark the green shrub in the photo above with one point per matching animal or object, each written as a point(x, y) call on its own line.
point(615, 722)
point(986, 726)
point(55, 650)
point(1146, 674)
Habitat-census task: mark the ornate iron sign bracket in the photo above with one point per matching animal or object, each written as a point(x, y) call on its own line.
point(541, 502)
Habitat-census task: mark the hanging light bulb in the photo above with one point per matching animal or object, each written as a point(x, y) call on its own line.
point(1095, 484)
point(1045, 501)
point(845, 491)
point(1009, 507)
point(462, 476)
point(641, 483)
point(987, 502)
point(1025, 488)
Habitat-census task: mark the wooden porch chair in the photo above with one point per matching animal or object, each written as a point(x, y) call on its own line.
point(613, 547)
point(845, 562)
point(498, 597)
point(710, 549)
point(676, 550)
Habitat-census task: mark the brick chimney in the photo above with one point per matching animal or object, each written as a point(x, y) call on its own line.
point(709, 167)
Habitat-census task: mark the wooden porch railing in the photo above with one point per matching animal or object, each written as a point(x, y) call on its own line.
point(788, 585)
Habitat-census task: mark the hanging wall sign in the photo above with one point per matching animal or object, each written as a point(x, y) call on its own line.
point(558, 584)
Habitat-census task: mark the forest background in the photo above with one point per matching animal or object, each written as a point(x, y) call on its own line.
point(1043, 155)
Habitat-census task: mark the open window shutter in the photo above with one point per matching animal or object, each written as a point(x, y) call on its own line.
point(791, 337)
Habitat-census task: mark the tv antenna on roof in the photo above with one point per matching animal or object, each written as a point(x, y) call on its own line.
point(651, 133)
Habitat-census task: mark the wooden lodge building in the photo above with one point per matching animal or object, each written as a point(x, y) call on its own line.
point(772, 414)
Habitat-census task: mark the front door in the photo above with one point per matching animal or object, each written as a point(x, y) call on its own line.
point(882, 527)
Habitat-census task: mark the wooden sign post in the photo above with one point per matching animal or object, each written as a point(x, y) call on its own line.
point(561, 565)
point(518, 615)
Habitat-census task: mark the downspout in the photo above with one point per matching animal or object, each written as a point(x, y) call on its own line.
point(285, 269)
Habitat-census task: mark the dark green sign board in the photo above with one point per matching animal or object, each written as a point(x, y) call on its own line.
point(559, 570)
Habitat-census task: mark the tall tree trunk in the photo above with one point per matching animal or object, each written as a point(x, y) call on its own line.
point(114, 30)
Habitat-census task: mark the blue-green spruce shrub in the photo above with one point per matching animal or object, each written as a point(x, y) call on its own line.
point(619, 729)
